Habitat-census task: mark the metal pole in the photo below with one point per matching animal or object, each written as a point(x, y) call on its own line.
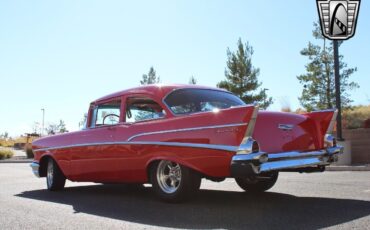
point(264, 98)
point(337, 91)
point(43, 120)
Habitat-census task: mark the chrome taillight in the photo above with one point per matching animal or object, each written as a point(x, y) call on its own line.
point(330, 141)
point(248, 145)
point(255, 147)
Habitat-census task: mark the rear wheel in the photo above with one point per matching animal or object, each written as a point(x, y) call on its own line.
point(258, 183)
point(55, 179)
point(173, 182)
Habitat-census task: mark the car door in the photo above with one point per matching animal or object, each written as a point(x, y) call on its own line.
point(142, 114)
point(92, 161)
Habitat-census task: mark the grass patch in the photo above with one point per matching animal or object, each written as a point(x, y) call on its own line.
point(6, 153)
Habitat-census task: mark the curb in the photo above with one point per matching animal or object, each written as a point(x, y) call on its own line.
point(17, 159)
point(360, 168)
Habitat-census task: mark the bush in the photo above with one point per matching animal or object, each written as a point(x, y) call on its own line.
point(6, 143)
point(29, 153)
point(6, 153)
point(355, 117)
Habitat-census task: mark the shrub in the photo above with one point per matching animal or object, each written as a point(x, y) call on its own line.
point(29, 153)
point(355, 117)
point(6, 143)
point(6, 153)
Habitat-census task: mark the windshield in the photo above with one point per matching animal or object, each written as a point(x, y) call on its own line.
point(186, 101)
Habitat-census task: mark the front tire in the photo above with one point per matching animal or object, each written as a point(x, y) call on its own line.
point(258, 184)
point(173, 182)
point(55, 179)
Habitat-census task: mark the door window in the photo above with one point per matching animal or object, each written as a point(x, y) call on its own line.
point(141, 109)
point(107, 113)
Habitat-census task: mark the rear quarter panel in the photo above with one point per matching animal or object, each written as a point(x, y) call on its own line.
point(307, 133)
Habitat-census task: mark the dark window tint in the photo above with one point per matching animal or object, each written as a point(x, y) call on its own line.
point(200, 100)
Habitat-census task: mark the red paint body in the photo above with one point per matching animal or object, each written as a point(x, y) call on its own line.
point(129, 162)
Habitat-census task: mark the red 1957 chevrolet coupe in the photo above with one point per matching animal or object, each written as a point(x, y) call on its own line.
point(173, 135)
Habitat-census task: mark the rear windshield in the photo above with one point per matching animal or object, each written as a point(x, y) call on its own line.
point(185, 101)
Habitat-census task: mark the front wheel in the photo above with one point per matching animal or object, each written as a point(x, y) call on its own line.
point(55, 179)
point(173, 182)
point(258, 183)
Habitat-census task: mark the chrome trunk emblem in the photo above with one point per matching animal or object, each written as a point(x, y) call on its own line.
point(286, 126)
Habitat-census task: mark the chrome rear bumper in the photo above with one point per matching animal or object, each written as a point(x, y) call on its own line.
point(35, 168)
point(256, 163)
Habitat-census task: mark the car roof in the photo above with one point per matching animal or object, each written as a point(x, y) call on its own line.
point(158, 90)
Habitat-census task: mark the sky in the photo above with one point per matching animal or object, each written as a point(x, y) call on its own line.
point(61, 55)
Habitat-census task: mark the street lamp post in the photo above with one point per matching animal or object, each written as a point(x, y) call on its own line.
point(43, 121)
point(264, 98)
point(337, 91)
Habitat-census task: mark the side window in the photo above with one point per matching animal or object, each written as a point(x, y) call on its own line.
point(107, 113)
point(141, 108)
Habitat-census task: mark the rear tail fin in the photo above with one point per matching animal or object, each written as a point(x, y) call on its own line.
point(248, 144)
point(324, 121)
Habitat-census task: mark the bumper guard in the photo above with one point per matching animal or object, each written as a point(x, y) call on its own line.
point(250, 164)
point(35, 168)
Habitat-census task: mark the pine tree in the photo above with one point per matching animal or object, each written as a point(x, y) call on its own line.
point(150, 78)
point(319, 81)
point(62, 127)
point(192, 80)
point(242, 76)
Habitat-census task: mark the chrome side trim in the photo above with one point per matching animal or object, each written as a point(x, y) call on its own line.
point(228, 148)
point(329, 139)
point(185, 129)
point(252, 122)
point(332, 122)
point(35, 168)
point(246, 146)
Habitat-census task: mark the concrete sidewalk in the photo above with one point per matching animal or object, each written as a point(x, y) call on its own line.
point(365, 167)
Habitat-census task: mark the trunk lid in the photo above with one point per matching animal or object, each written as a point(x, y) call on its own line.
point(281, 132)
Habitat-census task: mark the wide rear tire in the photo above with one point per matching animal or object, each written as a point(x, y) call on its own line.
point(173, 182)
point(258, 184)
point(55, 179)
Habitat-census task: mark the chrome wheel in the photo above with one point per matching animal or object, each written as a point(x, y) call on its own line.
point(50, 174)
point(55, 179)
point(169, 176)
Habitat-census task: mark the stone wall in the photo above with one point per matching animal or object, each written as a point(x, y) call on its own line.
point(360, 144)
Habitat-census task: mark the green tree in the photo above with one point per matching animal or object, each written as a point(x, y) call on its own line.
point(62, 127)
point(242, 76)
point(192, 80)
point(5, 135)
point(150, 78)
point(83, 121)
point(54, 128)
point(319, 81)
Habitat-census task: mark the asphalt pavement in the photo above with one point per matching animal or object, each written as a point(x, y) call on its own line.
point(334, 200)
